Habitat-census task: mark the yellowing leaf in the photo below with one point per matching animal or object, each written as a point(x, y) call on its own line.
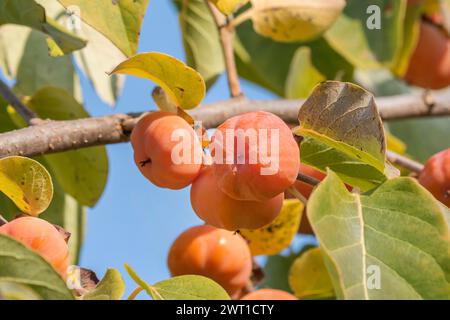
point(111, 287)
point(278, 235)
point(228, 6)
point(119, 20)
point(294, 20)
point(184, 86)
point(308, 277)
point(395, 144)
point(27, 183)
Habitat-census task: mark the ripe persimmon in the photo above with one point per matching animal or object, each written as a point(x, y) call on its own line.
point(255, 156)
point(42, 237)
point(429, 65)
point(435, 176)
point(167, 151)
point(220, 255)
point(269, 294)
point(216, 208)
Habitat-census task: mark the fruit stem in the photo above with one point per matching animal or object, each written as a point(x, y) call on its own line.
point(307, 179)
point(292, 190)
point(135, 292)
point(404, 162)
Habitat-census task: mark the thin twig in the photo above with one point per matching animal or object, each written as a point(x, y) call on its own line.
point(27, 114)
point(293, 191)
point(308, 179)
point(404, 162)
point(226, 36)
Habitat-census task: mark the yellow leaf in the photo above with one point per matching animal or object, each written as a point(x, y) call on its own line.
point(309, 278)
point(395, 144)
point(278, 235)
point(294, 20)
point(228, 6)
point(27, 183)
point(184, 86)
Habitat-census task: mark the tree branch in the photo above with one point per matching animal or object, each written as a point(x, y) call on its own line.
point(58, 136)
point(226, 36)
point(28, 115)
point(404, 162)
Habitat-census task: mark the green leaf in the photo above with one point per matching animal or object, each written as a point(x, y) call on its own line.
point(366, 48)
point(37, 69)
point(392, 243)
point(200, 39)
point(294, 20)
point(16, 291)
point(190, 287)
point(98, 57)
point(424, 137)
point(350, 169)
point(82, 173)
point(298, 67)
point(30, 14)
point(184, 85)
point(120, 21)
point(111, 287)
point(21, 265)
point(343, 118)
point(12, 44)
point(309, 278)
point(27, 183)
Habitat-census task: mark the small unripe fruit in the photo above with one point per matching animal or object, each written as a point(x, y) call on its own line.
point(255, 156)
point(214, 253)
point(269, 294)
point(216, 208)
point(42, 237)
point(167, 151)
point(435, 176)
point(429, 66)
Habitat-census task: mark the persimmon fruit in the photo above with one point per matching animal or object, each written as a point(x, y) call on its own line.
point(216, 208)
point(429, 65)
point(42, 237)
point(269, 294)
point(218, 254)
point(435, 176)
point(255, 156)
point(167, 150)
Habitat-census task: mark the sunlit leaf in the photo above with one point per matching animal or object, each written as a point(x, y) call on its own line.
point(376, 31)
point(120, 21)
point(16, 291)
point(27, 183)
point(23, 266)
point(309, 278)
point(393, 243)
point(346, 132)
point(184, 85)
point(31, 14)
point(111, 287)
point(278, 235)
point(200, 39)
point(189, 287)
point(294, 20)
point(228, 6)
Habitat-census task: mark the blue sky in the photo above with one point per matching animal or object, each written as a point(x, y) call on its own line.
point(136, 222)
